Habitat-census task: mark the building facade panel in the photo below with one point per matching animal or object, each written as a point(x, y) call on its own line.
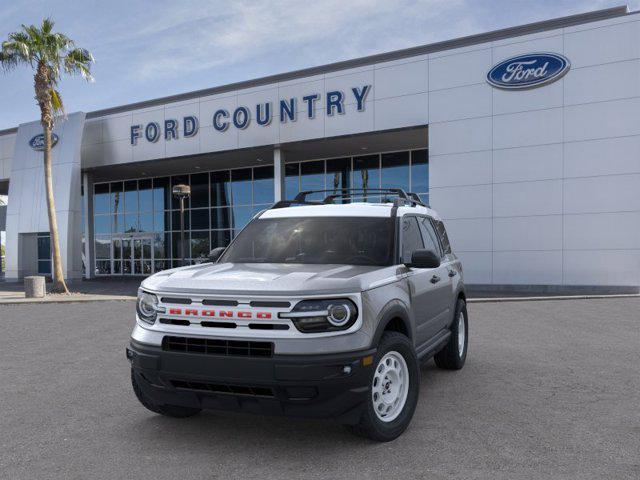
point(530, 182)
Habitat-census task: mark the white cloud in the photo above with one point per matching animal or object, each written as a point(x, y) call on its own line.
point(200, 35)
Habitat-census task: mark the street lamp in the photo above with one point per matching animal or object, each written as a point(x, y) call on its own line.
point(181, 192)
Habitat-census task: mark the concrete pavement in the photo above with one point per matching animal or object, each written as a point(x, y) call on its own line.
point(550, 391)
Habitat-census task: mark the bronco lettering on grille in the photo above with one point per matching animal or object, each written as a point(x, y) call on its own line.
point(192, 312)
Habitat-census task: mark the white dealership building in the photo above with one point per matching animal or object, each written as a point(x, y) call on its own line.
point(526, 140)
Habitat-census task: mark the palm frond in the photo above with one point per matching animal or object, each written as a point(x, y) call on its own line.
point(56, 101)
point(78, 62)
point(49, 53)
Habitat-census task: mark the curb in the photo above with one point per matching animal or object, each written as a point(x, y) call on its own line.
point(550, 298)
point(126, 298)
point(31, 301)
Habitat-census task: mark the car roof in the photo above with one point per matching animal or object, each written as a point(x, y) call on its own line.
point(354, 209)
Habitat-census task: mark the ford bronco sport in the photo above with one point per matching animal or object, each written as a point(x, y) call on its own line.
point(316, 309)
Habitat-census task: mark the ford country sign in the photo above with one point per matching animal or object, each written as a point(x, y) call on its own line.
point(37, 142)
point(528, 71)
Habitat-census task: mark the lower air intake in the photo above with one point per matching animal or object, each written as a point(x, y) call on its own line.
point(208, 346)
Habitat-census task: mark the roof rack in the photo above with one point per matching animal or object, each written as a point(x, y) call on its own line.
point(402, 197)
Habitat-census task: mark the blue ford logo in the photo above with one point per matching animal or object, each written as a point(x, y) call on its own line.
point(528, 71)
point(37, 142)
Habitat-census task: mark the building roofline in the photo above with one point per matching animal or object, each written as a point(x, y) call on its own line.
point(469, 40)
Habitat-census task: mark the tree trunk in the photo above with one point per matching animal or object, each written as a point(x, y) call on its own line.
point(42, 85)
point(59, 285)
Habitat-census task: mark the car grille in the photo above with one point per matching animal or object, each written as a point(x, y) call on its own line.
point(208, 346)
point(224, 388)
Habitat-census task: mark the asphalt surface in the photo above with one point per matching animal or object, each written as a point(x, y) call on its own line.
point(551, 389)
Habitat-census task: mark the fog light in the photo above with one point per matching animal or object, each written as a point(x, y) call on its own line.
point(346, 369)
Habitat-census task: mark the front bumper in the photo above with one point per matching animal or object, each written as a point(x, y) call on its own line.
point(313, 386)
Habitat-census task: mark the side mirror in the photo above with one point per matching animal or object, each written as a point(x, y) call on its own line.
point(424, 259)
point(215, 254)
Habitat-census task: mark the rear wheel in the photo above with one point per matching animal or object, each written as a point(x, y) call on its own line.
point(393, 393)
point(454, 354)
point(167, 410)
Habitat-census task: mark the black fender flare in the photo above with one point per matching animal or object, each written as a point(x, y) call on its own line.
point(392, 310)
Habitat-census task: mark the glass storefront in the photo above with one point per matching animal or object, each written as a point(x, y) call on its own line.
point(137, 222)
point(408, 170)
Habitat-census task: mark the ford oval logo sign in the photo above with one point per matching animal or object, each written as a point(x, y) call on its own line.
point(37, 142)
point(528, 71)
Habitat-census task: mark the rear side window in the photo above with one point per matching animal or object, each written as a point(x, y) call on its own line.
point(429, 236)
point(411, 238)
point(442, 234)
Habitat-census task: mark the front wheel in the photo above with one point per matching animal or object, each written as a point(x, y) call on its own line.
point(454, 354)
point(393, 392)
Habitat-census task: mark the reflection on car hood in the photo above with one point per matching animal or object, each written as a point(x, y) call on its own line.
point(268, 278)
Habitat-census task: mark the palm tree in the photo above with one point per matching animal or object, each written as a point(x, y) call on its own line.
point(48, 54)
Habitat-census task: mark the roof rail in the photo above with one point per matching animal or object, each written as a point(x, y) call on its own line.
point(415, 197)
point(402, 197)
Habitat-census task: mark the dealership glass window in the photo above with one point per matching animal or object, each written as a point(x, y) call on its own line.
point(44, 253)
point(220, 238)
point(420, 173)
point(145, 222)
point(101, 198)
point(178, 180)
point(241, 186)
point(222, 203)
point(338, 176)
point(117, 191)
point(161, 194)
point(405, 169)
point(366, 175)
point(312, 177)
point(200, 190)
point(263, 185)
point(199, 219)
point(220, 218)
point(395, 170)
point(221, 188)
point(145, 195)
point(200, 246)
point(291, 180)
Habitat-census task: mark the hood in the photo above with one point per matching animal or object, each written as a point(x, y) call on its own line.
point(267, 278)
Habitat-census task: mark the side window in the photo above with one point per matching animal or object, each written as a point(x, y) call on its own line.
point(442, 234)
point(411, 238)
point(429, 235)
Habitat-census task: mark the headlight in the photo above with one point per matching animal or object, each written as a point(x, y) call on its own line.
point(147, 307)
point(312, 316)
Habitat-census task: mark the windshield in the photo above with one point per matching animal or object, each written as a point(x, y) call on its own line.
point(318, 240)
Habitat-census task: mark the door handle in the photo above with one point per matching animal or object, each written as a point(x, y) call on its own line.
point(452, 273)
point(435, 279)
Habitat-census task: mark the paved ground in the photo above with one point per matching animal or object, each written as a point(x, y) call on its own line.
point(550, 390)
point(116, 288)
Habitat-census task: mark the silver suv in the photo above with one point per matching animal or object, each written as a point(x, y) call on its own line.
point(316, 309)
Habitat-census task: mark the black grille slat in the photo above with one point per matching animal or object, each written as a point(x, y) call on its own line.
point(269, 304)
point(207, 346)
point(209, 324)
point(224, 388)
point(220, 303)
point(176, 300)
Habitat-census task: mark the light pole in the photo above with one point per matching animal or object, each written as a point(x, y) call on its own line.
point(181, 192)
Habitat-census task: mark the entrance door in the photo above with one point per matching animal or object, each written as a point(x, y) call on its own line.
point(133, 255)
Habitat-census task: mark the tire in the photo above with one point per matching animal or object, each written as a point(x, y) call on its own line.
point(166, 410)
point(397, 349)
point(451, 357)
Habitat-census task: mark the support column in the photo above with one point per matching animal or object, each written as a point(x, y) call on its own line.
point(278, 174)
point(87, 205)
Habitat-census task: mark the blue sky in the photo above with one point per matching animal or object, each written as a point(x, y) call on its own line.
point(149, 49)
